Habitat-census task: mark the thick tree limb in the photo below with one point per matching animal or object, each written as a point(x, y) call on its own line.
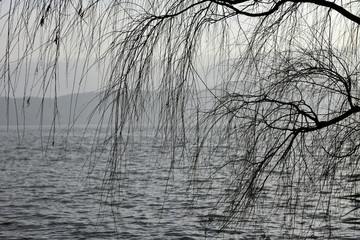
point(332, 5)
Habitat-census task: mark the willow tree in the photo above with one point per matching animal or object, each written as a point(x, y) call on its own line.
point(265, 92)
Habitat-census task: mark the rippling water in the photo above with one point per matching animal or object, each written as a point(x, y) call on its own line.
point(55, 192)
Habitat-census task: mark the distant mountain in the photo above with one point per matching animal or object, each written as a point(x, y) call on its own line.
point(75, 108)
point(79, 109)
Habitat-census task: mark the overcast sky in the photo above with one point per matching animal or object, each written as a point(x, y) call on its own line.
point(30, 74)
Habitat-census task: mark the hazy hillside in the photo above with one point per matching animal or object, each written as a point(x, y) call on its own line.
point(35, 110)
point(79, 109)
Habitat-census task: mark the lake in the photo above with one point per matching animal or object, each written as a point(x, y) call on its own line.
point(57, 192)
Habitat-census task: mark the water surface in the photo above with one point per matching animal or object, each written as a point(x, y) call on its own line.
point(56, 192)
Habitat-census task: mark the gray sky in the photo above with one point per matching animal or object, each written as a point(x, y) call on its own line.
point(31, 73)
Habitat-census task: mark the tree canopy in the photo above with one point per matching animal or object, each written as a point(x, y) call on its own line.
point(273, 85)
